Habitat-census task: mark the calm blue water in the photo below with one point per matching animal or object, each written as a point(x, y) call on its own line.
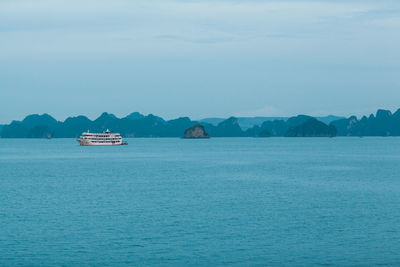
point(236, 201)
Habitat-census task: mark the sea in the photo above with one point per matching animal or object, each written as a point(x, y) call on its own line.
point(209, 202)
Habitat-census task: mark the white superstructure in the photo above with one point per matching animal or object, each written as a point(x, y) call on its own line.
point(101, 139)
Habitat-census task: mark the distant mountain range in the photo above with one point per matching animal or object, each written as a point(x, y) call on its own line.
point(384, 123)
point(138, 125)
point(249, 122)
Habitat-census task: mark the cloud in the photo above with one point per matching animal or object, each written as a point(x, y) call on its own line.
point(210, 39)
point(83, 28)
point(169, 17)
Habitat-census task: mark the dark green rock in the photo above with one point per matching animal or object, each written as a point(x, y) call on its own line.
point(312, 128)
point(195, 132)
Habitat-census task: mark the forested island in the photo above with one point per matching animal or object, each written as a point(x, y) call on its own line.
point(384, 123)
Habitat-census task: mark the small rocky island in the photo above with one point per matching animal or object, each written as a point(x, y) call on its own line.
point(196, 131)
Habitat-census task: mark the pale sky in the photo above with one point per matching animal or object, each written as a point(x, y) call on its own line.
point(198, 58)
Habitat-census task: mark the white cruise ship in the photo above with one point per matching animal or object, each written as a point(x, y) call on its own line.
point(101, 139)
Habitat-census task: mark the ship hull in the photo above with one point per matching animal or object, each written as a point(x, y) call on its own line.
point(89, 143)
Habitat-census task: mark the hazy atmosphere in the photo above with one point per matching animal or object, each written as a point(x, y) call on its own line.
point(198, 58)
point(199, 132)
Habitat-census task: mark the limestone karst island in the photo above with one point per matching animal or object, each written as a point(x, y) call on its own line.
point(383, 123)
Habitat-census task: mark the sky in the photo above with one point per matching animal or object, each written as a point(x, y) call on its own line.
point(209, 58)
